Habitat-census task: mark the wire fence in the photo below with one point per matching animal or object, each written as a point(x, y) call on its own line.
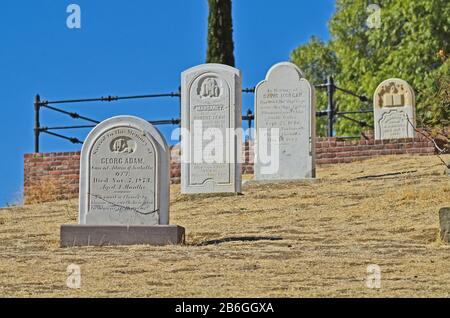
point(55, 131)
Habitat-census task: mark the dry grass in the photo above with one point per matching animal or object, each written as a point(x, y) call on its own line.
point(286, 240)
point(46, 190)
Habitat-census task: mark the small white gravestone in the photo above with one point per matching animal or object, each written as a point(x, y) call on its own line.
point(394, 110)
point(124, 174)
point(285, 124)
point(124, 187)
point(211, 129)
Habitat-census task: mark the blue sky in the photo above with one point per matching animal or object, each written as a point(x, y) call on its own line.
point(125, 48)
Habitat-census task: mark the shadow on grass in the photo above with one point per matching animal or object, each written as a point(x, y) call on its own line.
point(239, 239)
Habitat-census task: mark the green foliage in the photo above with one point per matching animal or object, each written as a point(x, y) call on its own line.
point(436, 110)
point(318, 61)
point(406, 45)
point(220, 33)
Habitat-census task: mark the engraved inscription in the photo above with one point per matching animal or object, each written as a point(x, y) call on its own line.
point(394, 110)
point(394, 125)
point(284, 125)
point(122, 180)
point(285, 109)
point(210, 107)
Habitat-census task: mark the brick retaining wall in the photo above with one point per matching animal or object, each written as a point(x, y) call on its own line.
point(55, 176)
point(331, 150)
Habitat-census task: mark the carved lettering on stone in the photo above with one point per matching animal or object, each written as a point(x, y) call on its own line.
point(394, 110)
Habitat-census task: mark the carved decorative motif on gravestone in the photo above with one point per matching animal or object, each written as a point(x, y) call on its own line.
point(124, 174)
point(394, 110)
point(211, 110)
point(124, 188)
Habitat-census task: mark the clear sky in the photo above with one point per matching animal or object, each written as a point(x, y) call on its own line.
point(125, 48)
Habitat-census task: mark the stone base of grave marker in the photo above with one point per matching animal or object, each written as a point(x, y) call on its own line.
point(94, 235)
point(444, 219)
point(253, 182)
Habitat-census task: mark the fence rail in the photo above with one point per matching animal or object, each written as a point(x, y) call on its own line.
point(331, 112)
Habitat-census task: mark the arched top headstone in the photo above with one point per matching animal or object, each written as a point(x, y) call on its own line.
point(394, 110)
point(124, 175)
point(285, 103)
point(285, 71)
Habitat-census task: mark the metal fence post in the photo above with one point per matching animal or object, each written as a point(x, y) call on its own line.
point(249, 122)
point(179, 100)
point(37, 124)
point(330, 109)
point(180, 109)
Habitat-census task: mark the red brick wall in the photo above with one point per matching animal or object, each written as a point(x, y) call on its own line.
point(51, 176)
point(55, 175)
point(333, 150)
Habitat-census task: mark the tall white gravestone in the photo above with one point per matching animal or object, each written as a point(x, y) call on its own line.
point(211, 117)
point(124, 186)
point(285, 101)
point(394, 110)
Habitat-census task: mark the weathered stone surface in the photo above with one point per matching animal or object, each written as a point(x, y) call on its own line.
point(444, 220)
point(394, 110)
point(285, 101)
point(124, 187)
point(211, 112)
point(94, 235)
point(124, 175)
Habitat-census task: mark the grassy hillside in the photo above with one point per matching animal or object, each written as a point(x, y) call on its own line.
point(295, 240)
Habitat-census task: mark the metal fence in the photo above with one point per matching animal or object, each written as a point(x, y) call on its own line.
point(331, 112)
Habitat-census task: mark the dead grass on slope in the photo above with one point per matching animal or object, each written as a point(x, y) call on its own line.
point(299, 239)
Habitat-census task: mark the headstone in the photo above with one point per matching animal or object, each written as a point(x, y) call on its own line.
point(394, 110)
point(211, 129)
point(285, 101)
point(444, 220)
point(124, 187)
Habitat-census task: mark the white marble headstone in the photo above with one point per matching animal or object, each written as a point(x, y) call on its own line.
point(285, 100)
point(211, 113)
point(124, 175)
point(394, 110)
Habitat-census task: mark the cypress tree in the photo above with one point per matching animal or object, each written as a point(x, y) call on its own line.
point(220, 33)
